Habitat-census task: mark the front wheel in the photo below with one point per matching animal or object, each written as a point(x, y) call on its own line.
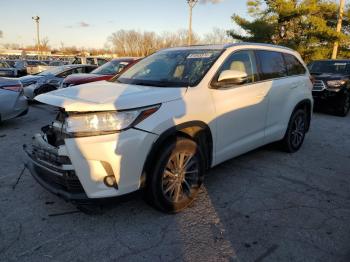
point(295, 134)
point(177, 176)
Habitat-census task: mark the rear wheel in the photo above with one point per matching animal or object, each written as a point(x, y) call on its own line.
point(344, 105)
point(295, 134)
point(177, 176)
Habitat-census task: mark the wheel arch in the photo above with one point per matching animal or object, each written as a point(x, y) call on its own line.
point(196, 130)
point(305, 104)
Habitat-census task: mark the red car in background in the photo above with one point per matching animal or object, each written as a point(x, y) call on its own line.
point(104, 72)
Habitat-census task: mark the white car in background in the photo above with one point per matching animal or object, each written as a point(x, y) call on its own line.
point(12, 101)
point(169, 118)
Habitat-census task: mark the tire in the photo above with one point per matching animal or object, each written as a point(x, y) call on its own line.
point(295, 134)
point(171, 187)
point(344, 106)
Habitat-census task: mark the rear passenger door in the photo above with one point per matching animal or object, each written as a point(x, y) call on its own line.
point(241, 108)
point(280, 71)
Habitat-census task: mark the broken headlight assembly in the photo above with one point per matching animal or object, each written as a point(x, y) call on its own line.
point(96, 123)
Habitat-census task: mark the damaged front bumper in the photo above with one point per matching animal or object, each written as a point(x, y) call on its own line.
point(76, 168)
point(52, 171)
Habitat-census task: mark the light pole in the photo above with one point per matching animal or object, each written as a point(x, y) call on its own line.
point(340, 20)
point(37, 20)
point(191, 4)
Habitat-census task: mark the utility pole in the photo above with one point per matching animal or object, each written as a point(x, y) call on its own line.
point(191, 4)
point(36, 20)
point(339, 24)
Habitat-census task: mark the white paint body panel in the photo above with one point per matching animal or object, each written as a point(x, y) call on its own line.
point(240, 119)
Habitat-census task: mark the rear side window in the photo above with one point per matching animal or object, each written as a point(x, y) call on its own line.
point(294, 67)
point(271, 64)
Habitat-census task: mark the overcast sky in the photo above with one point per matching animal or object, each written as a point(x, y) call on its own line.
point(88, 23)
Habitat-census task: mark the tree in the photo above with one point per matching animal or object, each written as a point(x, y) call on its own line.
point(1, 34)
point(217, 36)
point(137, 43)
point(307, 26)
point(44, 45)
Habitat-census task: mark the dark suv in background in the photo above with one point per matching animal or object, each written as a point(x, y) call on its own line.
point(331, 84)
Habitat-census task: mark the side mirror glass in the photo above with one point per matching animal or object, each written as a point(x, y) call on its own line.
point(232, 77)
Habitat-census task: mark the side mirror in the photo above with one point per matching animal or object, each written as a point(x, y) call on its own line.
point(232, 77)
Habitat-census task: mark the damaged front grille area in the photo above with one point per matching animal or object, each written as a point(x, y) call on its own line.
point(67, 181)
point(49, 157)
point(49, 167)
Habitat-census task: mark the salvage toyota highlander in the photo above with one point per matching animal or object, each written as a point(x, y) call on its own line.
point(169, 118)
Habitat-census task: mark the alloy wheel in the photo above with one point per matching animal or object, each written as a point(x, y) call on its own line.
point(180, 176)
point(298, 131)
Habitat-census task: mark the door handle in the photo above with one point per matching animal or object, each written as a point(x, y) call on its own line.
point(294, 86)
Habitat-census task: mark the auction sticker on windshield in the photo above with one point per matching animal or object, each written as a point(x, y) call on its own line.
point(204, 55)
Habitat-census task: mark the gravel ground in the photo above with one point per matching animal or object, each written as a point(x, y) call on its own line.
point(264, 206)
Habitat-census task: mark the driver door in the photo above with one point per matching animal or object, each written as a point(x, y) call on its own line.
point(241, 107)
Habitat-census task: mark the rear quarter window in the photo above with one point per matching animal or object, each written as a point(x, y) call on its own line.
point(271, 64)
point(294, 67)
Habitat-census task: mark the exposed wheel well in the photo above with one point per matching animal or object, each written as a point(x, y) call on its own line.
point(307, 106)
point(196, 130)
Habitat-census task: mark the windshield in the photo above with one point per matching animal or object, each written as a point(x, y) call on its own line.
point(110, 68)
point(53, 71)
point(332, 67)
point(173, 68)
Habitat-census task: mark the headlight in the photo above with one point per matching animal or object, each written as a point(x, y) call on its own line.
point(106, 122)
point(336, 83)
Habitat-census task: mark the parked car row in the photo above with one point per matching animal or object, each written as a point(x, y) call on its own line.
point(50, 79)
point(104, 72)
point(12, 101)
point(7, 71)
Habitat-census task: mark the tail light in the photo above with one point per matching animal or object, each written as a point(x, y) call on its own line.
point(14, 88)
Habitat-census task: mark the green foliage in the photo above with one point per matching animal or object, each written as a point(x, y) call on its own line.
point(310, 26)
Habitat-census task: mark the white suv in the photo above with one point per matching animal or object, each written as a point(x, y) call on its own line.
point(170, 117)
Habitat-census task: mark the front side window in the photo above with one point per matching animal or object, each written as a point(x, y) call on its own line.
point(53, 71)
point(294, 67)
point(110, 68)
point(271, 64)
point(241, 61)
point(101, 61)
point(77, 70)
point(171, 68)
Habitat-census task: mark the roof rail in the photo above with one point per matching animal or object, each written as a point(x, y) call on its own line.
point(260, 44)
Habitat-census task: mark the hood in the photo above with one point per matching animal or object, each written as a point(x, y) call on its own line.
point(329, 76)
point(85, 78)
point(30, 78)
point(105, 96)
point(9, 81)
